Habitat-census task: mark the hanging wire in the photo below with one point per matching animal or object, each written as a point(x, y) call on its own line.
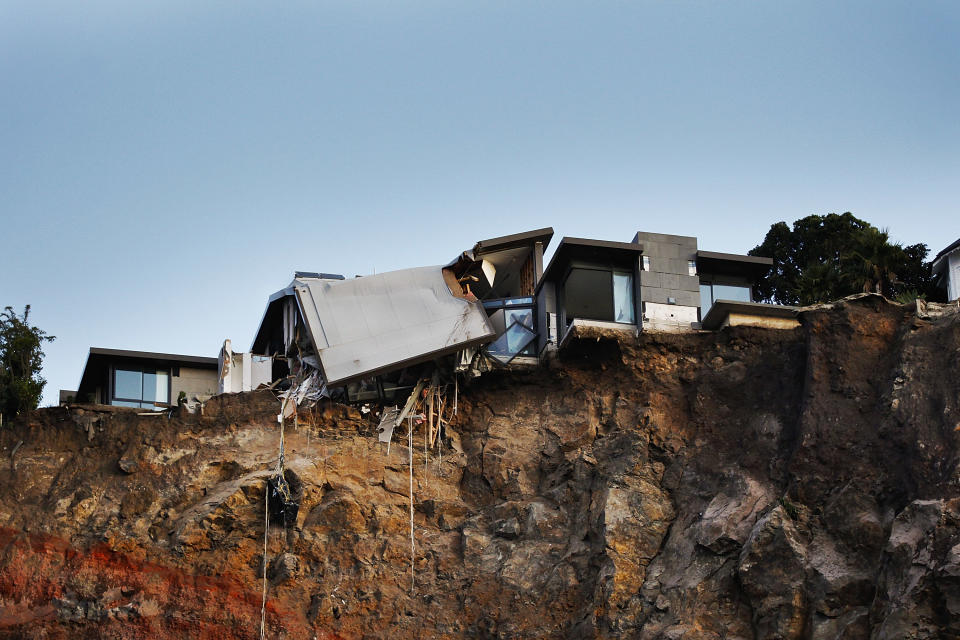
point(410, 448)
point(266, 530)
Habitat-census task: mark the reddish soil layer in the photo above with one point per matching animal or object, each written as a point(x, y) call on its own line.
point(745, 484)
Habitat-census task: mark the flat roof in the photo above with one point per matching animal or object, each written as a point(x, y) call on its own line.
point(152, 355)
point(586, 249)
point(735, 257)
point(514, 240)
point(99, 358)
point(732, 263)
point(722, 308)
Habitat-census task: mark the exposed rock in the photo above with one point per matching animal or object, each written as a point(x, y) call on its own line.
point(919, 590)
point(730, 516)
point(739, 485)
point(282, 568)
point(509, 528)
point(772, 569)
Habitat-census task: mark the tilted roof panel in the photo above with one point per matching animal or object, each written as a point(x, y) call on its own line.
point(372, 324)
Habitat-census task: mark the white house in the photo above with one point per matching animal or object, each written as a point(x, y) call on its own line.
point(946, 266)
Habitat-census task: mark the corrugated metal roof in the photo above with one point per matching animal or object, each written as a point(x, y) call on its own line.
point(365, 326)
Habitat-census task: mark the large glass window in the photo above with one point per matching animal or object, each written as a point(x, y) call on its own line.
point(599, 294)
point(710, 293)
point(514, 321)
point(128, 384)
point(140, 387)
point(728, 292)
point(512, 342)
point(623, 298)
point(706, 298)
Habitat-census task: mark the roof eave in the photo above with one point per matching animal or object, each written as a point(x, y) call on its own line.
point(512, 241)
point(152, 355)
point(950, 248)
point(568, 244)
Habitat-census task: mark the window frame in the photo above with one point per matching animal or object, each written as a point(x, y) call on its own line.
point(612, 270)
point(140, 402)
point(711, 282)
point(516, 303)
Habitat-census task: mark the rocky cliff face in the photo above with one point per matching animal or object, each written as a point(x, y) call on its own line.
point(745, 484)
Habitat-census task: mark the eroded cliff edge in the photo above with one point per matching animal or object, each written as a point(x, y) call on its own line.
point(744, 484)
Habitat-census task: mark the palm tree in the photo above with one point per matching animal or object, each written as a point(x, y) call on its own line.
point(873, 260)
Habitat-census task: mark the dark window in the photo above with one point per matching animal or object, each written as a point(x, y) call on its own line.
point(599, 294)
point(588, 293)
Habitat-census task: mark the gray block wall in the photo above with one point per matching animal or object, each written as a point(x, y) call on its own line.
point(668, 276)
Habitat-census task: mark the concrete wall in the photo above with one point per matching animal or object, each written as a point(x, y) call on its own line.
point(668, 277)
point(746, 319)
point(237, 372)
point(193, 382)
point(668, 317)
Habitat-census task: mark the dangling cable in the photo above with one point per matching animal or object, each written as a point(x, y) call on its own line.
point(410, 448)
point(266, 529)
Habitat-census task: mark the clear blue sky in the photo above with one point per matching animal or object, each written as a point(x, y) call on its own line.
point(165, 167)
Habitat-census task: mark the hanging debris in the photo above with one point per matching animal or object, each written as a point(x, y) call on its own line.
point(387, 423)
point(285, 494)
point(385, 430)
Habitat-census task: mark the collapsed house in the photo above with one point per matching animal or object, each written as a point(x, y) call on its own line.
point(373, 338)
point(378, 338)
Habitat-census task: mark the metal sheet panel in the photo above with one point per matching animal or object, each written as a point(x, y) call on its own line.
point(375, 323)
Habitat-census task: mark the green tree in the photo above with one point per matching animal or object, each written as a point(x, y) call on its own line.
point(915, 276)
point(874, 261)
point(823, 258)
point(21, 358)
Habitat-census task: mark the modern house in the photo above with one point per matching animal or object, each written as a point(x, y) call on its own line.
point(592, 282)
point(145, 380)
point(657, 282)
point(946, 267)
point(370, 335)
